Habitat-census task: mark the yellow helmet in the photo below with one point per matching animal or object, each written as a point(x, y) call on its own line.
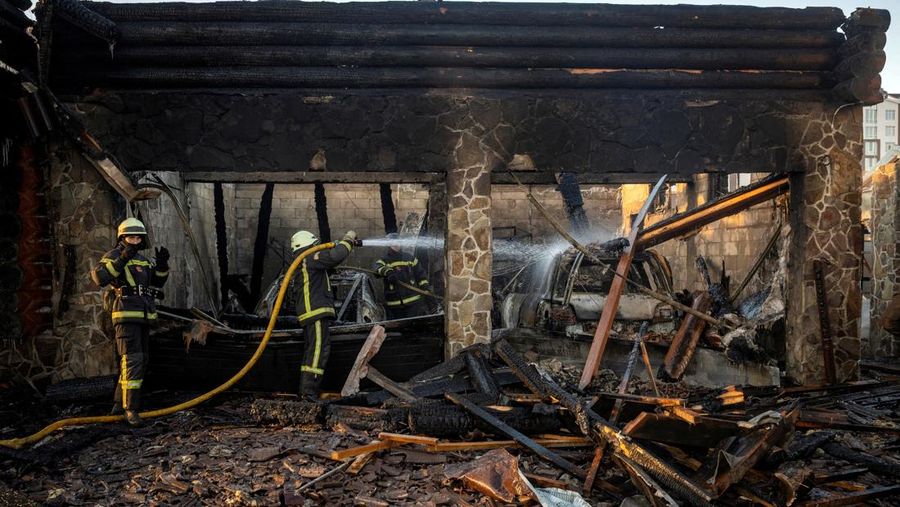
point(303, 239)
point(131, 227)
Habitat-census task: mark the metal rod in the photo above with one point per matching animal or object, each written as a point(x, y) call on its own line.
point(758, 263)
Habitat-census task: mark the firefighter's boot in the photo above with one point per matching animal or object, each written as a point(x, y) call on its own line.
point(132, 406)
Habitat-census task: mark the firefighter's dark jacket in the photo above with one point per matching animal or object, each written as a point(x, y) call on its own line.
point(130, 280)
point(314, 297)
point(401, 267)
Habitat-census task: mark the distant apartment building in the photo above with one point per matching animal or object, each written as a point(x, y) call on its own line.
point(880, 126)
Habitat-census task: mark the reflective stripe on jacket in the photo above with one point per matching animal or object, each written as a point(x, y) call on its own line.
point(398, 267)
point(314, 297)
point(138, 271)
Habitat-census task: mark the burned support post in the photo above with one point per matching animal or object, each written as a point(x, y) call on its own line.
point(571, 193)
point(480, 375)
point(322, 212)
point(387, 208)
point(221, 239)
point(601, 336)
point(685, 341)
point(262, 241)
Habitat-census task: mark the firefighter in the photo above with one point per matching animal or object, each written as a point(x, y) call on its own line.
point(135, 282)
point(400, 272)
point(315, 305)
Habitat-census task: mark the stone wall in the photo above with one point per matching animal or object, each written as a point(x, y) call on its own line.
point(580, 131)
point(84, 213)
point(825, 224)
point(885, 228)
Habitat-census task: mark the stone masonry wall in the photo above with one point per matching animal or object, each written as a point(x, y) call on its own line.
point(825, 223)
point(579, 131)
point(886, 259)
point(84, 212)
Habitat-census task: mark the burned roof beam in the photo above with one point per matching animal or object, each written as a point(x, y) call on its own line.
point(454, 56)
point(497, 178)
point(728, 205)
point(540, 14)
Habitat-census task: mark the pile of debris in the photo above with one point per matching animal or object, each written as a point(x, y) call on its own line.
point(489, 426)
point(708, 447)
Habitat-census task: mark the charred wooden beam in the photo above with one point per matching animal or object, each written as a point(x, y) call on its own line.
point(444, 56)
point(438, 77)
point(843, 452)
point(295, 33)
point(855, 498)
point(704, 433)
point(864, 89)
point(860, 64)
point(601, 335)
point(867, 20)
point(481, 376)
point(861, 43)
point(681, 351)
point(519, 437)
point(498, 178)
point(730, 204)
point(693, 16)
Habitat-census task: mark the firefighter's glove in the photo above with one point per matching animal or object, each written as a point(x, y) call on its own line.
point(385, 271)
point(352, 238)
point(128, 251)
point(162, 258)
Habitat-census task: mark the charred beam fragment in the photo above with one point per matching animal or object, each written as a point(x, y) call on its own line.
point(481, 376)
point(684, 344)
point(539, 14)
point(860, 64)
point(730, 463)
point(439, 77)
point(503, 428)
point(294, 33)
point(867, 20)
point(450, 56)
point(843, 452)
point(855, 498)
point(261, 241)
point(864, 89)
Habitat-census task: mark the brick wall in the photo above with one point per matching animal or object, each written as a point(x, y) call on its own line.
point(511, 208)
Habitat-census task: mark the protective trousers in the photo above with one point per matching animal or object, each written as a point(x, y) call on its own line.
point(315, 357)
point(133, 347)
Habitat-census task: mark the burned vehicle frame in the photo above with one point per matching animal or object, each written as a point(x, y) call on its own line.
point(568, 297)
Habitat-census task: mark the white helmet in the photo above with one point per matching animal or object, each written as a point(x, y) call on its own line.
point(303, 239)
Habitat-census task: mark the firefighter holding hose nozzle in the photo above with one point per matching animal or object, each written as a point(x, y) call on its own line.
point(135, 283)
point(315, 305)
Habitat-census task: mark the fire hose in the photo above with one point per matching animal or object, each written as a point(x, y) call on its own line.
point(17, 443)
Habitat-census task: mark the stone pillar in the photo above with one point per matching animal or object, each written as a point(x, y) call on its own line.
point(468, 258)
point(885, 259)
point(825, 224)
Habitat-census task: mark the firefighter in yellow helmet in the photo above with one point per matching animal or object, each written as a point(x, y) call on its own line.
point(135, 281)
point(315, 305)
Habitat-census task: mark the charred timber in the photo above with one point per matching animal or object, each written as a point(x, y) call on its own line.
point(540, 14)
point(328, 34)
point(867, 20)
point(441, 56)
point(865, 42)
point(440, 77)
point(861, 89)
point(860, 64)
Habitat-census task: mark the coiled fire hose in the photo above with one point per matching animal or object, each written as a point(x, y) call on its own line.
point(17, 443)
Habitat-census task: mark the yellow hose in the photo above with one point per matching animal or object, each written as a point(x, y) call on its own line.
point(17, 443)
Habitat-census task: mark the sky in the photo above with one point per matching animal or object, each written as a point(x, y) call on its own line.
point(890, 76)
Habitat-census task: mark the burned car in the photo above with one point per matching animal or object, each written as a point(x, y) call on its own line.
point(568, 295)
